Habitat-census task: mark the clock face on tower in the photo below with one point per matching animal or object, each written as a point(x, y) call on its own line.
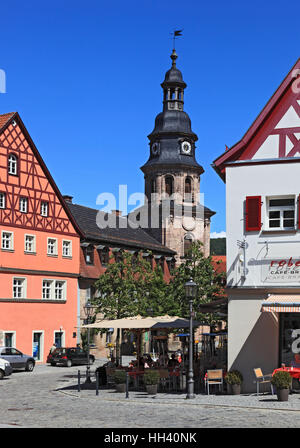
point(155, 148)
point(186, 147)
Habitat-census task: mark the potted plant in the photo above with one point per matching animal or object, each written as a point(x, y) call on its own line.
point(151, 380)
point(234, 379)
point(120, 380)
point(282, 381)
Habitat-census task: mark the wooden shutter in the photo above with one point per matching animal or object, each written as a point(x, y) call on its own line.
point(253, 213)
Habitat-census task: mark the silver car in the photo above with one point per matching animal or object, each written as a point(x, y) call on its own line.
point(17, 359)
point(5, 368)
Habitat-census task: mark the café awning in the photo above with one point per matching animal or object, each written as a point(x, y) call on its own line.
point(282, 303)
point(138, 322)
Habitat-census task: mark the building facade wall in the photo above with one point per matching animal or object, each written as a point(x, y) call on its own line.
point(30, 317)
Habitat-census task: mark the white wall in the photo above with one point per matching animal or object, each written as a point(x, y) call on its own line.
point(253, 336)
point(257, 180)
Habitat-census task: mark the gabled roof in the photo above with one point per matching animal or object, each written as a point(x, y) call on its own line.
point(235, 152)
point(122, 235)
point(5, 121)
point(5, 118)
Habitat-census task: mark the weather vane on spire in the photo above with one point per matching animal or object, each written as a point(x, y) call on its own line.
point(175, 34)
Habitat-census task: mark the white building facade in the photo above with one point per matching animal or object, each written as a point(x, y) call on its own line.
point(262, 176)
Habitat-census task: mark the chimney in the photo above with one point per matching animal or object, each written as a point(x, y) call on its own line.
point(68, 198)
point(117, 212)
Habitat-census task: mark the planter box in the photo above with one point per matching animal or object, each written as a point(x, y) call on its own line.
point(283, 394)
point(233, 389)
point(151, 389)
point(236, 389)
point(121, 387)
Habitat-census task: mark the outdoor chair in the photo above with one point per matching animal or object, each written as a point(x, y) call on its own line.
point(262, 379)
point(214, 377)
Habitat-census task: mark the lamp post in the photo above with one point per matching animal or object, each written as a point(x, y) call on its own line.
point(191, 292)
point(88, 309)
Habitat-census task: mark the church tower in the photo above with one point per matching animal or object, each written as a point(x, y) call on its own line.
point(173, 172)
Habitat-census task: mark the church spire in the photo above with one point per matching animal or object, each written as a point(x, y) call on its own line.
point(173, 86)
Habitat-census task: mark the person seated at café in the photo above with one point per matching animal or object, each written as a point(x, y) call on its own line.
point(148, 362)
point(173, 361)
point(296, 361)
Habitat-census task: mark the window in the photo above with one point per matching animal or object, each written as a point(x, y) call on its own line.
point(54, 290)
point(19, 288)
point(2, 200)
point(188, 240)
point(46, 290)
point(153, 186)
point(52, 246)
point(188, 185)
point(59, 290)
point(23, 205)
point(12, 164)
point(104, 256)
point(89, 254)
point(67, 248)
point(44, 208)
point(188, 196)
point(281, 213)
point(30, 243)
point(7, 241)
point(169, 185)
point(171, 264)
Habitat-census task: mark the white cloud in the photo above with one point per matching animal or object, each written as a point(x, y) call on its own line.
point(218, 234)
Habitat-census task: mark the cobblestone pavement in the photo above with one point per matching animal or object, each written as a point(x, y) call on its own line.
point(48, 398)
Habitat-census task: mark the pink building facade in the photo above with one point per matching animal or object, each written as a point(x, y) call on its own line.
point(39, 249)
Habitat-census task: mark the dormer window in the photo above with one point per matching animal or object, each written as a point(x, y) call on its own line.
point(89, 254)
point(12, 164)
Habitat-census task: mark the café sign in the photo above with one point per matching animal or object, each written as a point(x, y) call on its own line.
point(281, 270)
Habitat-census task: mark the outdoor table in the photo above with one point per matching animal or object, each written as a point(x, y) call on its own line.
point(293, 371)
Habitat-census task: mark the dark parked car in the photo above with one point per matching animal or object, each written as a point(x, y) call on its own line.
point(17, 359)
point(69, 356)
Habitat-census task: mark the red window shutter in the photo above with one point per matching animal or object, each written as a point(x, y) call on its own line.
point(253, 213)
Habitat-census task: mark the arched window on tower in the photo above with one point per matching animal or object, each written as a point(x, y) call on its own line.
point(153, 186)
point(187, 242)
point(169, 183)
point(188, 196)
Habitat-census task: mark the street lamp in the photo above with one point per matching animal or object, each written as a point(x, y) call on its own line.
point(191, 292)
point(88, 310)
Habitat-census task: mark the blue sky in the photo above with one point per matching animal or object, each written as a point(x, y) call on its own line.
point(85, 78)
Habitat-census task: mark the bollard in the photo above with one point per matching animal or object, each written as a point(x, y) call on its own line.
point(127, 384)
point(78, 380)
point(97, 382)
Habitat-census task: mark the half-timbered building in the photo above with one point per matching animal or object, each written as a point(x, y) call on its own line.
point(262, 174)
point(39, 249)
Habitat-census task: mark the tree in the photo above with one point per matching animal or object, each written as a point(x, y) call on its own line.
point(131, 287)
point(209, 283)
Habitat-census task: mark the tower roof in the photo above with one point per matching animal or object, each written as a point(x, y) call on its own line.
point(173, 75)
point(172, 126)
